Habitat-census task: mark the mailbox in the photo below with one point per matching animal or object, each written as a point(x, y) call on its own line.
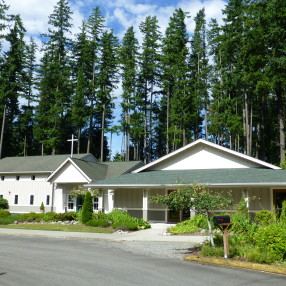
point(221, 219)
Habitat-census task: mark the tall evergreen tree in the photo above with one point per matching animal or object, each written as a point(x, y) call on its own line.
point(95, 26)
point(53, 112)
point(107, 80)
point(25, 122)
point(13, 76)
point(199, 71)
point(148, 79)
point(176, 102)
point(128, 56)
point(82, 69)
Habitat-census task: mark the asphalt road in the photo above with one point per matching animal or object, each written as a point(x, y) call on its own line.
point(29, 261)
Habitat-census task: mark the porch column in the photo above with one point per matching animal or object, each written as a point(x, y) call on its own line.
point(246, 197)
point(145, 204)
point(100, 201)
point(110, 201)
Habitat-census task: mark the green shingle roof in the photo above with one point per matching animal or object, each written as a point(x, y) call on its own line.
point(47, 163)
point(245, 176)
point(118, 168)
point(94, 170)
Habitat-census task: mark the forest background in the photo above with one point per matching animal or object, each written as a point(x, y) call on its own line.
point(224, 82)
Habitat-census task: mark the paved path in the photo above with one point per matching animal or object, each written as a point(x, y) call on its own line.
point(156, 233)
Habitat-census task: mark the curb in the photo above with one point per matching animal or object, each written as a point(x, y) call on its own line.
point(238, 264)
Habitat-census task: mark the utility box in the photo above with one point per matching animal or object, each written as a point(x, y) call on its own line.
point(218, 220)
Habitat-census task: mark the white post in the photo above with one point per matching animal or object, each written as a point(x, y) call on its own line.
point(145, 204)
point(110, 200)
point(100, 201)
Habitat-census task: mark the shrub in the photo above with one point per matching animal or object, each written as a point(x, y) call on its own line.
point(4, 213)
point(282, 218)
point(200, 221)
point(183, 227)
point(98, 223)
point(4, 204)
point(208, 250)
point(265, 217)
point(49, 216)
point(143, 224)
point(260, 256)
point(30, 217)
point(122, 220)
point(87, 208)
point(100, 215)
point(10, 219)
point(272, 238)
point(125, 225)
point(241, 223)
point(42, 207)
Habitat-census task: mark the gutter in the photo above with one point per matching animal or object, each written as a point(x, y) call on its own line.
point(271, 184)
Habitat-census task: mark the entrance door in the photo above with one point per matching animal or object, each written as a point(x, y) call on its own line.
point(177, 216)
point(278, 197)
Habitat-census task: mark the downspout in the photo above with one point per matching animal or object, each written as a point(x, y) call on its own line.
point(53, 194)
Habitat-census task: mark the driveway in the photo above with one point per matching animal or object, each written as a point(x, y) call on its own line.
point(30, 261)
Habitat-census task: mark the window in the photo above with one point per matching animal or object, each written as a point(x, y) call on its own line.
point(16, 200)
point(95, 204)
point(17, 178)
point(33, 178)
point(2, 178)
point(70, 202)
point(48, 200)
point(31, 199)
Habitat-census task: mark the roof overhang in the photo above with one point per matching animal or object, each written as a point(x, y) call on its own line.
point(68, 160)
point(140, 186)
point(208, 143)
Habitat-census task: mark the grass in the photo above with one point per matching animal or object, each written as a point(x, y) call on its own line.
point(59, 227)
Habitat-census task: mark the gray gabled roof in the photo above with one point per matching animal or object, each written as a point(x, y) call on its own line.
point(93, 170)
point(119, 168)
point(37, 164)
point(212, 177)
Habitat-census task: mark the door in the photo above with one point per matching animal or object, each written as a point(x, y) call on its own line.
point(177, 216)
point(278, 197)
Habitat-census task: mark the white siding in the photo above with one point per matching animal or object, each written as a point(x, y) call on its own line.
point(24, 189)
point(69, 174)
point(203, 157)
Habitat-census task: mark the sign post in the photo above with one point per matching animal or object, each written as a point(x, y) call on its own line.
point(223, 222)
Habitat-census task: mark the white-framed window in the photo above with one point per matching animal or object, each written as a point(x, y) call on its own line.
point(31, 199)
point(16, 200)
point(70, 202)
point(95, 204)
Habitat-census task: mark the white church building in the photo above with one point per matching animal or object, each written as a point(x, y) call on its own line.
point(26, 182)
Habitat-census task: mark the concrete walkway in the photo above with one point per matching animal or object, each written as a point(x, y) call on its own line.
point(156, 233)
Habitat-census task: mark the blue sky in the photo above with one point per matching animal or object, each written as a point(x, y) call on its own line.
point(119, 15)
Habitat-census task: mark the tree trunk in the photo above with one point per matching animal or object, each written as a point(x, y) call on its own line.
point(167, 122)
point(78, 140)
point(210, 230)
point(2, 130)
point(102, 133)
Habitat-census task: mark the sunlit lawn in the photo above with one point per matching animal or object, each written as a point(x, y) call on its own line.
point(59, 227)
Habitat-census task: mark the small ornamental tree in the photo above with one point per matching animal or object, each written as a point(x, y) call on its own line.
point(42, 207)
point(4, 204)
point(87, 208)
point(196, 198)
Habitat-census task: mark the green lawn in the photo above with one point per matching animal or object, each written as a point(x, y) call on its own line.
point(59, 227)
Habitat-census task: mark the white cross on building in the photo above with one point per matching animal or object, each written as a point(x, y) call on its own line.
point(72, 140)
